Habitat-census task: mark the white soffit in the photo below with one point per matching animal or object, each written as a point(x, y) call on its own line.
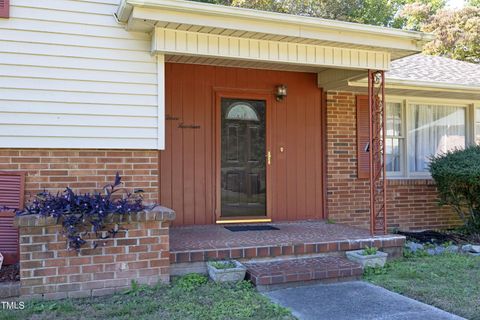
point(213, 24)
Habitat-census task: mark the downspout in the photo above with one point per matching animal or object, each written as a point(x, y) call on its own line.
point(124, 12)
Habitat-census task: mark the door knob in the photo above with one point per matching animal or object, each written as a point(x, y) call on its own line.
point(269, 157)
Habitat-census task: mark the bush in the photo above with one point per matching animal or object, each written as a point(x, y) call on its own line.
point(80, 213)
point(457, 176)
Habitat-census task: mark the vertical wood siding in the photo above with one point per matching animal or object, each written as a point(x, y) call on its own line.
point(72, 77)
point(187, 165)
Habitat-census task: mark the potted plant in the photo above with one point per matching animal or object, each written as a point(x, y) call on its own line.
point(368, 257)
point(226, 271)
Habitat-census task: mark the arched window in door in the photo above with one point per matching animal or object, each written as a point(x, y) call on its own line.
point(242, 111)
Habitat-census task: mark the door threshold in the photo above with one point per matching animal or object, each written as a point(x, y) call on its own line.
point(243, 221)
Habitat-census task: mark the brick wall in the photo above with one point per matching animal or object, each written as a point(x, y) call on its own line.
point(140, 252)
point(348, 197)
point(412, 204)
point(84, 170)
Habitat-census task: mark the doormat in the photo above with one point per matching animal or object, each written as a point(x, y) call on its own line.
point(250, 228)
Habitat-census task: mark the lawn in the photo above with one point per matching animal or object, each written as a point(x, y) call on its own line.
point(449, 281)
point(189, 297)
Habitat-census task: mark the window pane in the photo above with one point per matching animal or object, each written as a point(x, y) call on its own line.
point(394, 119)
point(394, 150)
point(394, 145)
point(435, 129)
point(477, 126)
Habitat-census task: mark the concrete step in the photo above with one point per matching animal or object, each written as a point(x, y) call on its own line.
point(267, 275)
point(9, 289)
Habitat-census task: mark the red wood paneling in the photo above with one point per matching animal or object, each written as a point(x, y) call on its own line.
point(12, 190)
point(363, 137)
point(187, 165)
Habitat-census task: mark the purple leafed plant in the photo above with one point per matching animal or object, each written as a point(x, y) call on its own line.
point(80, 213)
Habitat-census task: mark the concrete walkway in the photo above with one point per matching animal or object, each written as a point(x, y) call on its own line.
point(353, 300)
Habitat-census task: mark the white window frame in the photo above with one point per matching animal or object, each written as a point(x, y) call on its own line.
point(403, 133)
point(406, 103)
point(475, 106)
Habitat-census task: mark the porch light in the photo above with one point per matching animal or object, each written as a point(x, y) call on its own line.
point(280, 92)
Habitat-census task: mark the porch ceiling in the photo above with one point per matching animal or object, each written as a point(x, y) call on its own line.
point(265, 65)
point(213, 31)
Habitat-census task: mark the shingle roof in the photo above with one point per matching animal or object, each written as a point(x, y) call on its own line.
point(422, 67)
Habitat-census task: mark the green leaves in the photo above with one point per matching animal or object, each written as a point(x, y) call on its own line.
point(457, 176)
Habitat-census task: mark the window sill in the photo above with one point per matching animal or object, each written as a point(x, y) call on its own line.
point(412, 181)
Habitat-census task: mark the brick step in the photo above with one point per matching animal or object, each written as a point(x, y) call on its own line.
point(386, 243)
point(267, 274)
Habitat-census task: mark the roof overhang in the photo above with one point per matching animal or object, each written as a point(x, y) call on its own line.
point(418, 85)
point(349, 81)
point(213, 26)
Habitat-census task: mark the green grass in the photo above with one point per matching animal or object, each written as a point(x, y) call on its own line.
point(190, 297)
point(449, 281)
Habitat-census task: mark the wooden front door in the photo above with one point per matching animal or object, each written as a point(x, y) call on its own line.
point(244, 157)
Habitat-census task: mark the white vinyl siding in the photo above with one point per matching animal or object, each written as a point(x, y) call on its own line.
point(72, 77)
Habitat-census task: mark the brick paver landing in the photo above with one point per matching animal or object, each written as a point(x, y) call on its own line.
point(290, 233)
point(211, 242)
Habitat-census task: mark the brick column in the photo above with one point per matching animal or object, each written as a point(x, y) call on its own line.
point(139, 251)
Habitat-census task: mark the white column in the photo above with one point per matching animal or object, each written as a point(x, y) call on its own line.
point(161, 101)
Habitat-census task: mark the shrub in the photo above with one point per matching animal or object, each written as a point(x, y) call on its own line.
point(80, 213)
point(457, 176)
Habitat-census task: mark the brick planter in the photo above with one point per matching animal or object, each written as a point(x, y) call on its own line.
point(139, 251)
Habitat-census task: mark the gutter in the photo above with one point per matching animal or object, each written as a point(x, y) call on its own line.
point(126, 8)
point(420, 85)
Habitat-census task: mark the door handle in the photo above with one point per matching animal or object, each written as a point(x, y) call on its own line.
point(269, 157)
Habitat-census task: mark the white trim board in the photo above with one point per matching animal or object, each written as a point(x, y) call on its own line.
point(180, 42)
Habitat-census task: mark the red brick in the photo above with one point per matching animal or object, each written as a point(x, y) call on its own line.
point(45, 272)
point(142, 248)
point(104, 276)
point(159, 263)
point(68, 270)
point(55, 263)
point(126, 257)
point(94, 268)
point(148, 255)
point(103, 259)
point(80, 261)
